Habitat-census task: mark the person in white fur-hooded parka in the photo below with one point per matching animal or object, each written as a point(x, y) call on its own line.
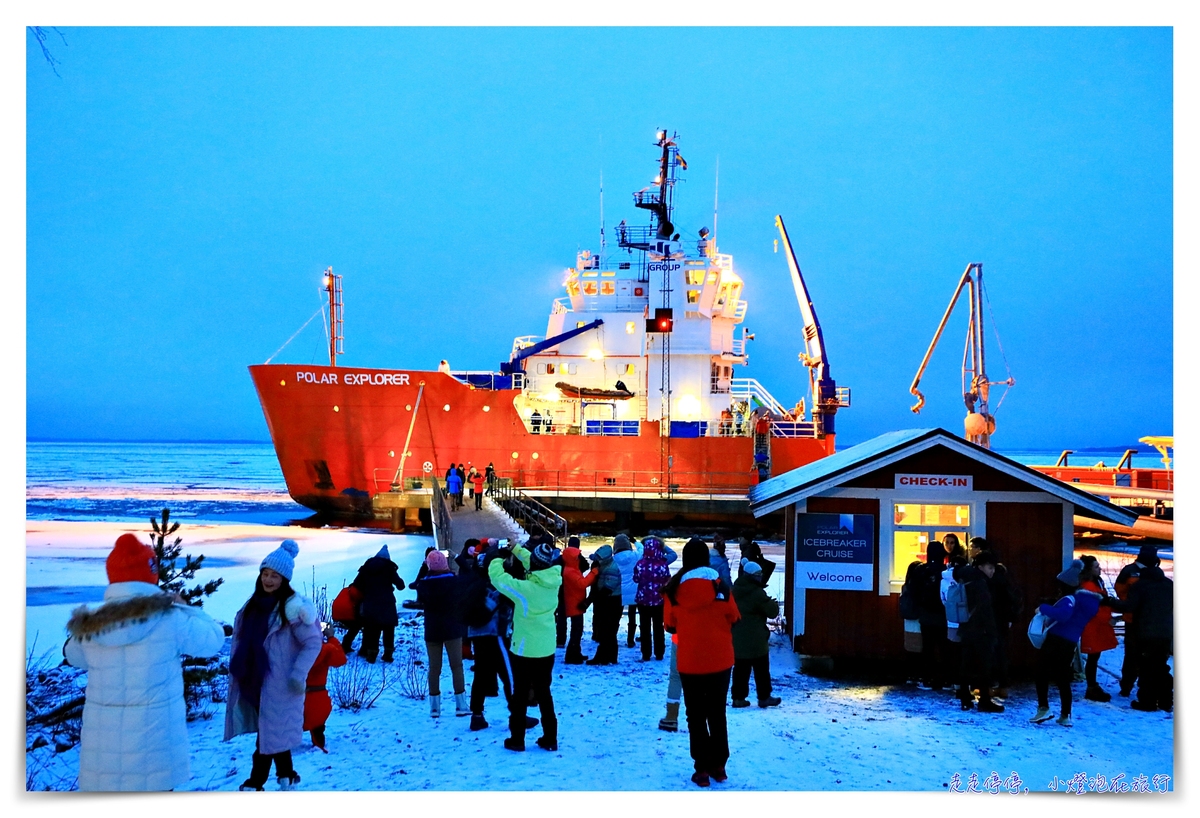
point(276, 639)
point(134, 735)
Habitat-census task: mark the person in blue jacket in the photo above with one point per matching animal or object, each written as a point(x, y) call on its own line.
point(1071, 613)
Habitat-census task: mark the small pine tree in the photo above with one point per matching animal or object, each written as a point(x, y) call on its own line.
point(202, 678)
point(171, 578)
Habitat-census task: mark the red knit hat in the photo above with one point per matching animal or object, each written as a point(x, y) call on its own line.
point(131, 560)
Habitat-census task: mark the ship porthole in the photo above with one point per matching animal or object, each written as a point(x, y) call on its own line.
point(535, 455)
point(336, 409)
point(487, 408)
point(408, 407)
point(391, 454)
point(514, 455)
point(446, 408)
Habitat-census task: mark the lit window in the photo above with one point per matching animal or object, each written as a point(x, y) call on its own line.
point(579, 324)
point(630, 326)
point(693, 296)
point(589, 273)
point(712, 278)
point(608, 274)
point(608, 288)
point(628, 369)
point(695, 276)
point(549, 369)
point(589, 288)
point(918, 514)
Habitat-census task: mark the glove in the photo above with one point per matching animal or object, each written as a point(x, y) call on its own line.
point(296, 685)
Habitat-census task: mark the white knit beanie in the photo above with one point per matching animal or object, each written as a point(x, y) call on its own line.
point(282, 560)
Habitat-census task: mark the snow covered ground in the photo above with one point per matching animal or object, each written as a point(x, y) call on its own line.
point(829, 735)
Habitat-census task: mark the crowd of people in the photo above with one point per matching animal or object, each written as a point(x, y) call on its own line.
point(510, 605)
point(471, 482)
point(965, 603)
point(507, 605)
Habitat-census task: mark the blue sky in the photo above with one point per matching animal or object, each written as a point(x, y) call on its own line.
point(186, 187)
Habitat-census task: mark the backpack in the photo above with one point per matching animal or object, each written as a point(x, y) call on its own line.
point(1039, 626)
point(957, 609)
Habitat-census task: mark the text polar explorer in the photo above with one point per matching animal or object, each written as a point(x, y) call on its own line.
point(355, 378)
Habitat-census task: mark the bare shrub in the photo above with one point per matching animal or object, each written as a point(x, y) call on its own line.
point(411, 668)
point(53, 718)
point(357, 685)
point(319, 594)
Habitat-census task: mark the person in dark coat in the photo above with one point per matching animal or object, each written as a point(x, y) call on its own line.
point(490, 476)
point(440, 593)
point(1006, 605)
point(1071, 613)
point(1152, 603)
point(718, 561)
point(925, 580)
point(750, 638)
point(606, 606)
point(1147, 556)
point(978, 634)
point(377, 611)
point(482, 613)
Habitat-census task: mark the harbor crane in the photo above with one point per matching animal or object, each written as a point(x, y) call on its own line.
point(979, 424)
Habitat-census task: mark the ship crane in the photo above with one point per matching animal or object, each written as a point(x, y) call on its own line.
point(827, 396)
point(979, 424)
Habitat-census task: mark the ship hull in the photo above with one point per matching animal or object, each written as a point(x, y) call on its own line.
point(339, 435)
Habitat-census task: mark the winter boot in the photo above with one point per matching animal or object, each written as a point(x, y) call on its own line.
point(1145, 707)
point(1095, 693)
point(435, 705)
point(514, 744)
point(260, 768)
point(770, 701)
point(741, 702)
point(547, 743)
point(1042, 714)
point(461, 706)
point(478, 722)
point(670, 722)
point(288, 782)
point(718, 775)
point(700, 779)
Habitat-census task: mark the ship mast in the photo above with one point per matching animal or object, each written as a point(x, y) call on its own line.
point(332, 284)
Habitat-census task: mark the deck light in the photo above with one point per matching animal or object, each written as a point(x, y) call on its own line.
point(595, 355)
point(336, 409)
point(446, 408)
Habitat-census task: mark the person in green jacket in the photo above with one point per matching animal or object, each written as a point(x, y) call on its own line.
point(531, 652)
point(750, 635)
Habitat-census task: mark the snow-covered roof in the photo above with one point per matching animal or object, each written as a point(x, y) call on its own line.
point(879, 452)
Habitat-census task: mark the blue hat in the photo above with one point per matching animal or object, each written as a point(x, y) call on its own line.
point(543, 557)
point(383, 552)
point(282, 560)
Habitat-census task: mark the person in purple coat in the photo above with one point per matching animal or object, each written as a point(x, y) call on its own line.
point(275, 641)
point(1071, 613)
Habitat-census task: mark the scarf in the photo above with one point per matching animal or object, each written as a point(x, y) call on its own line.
point(249, 661)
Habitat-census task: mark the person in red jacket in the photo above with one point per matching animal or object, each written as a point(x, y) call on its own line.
point(317, 704)
point(698, 607)
point(575, 585)
point(1098, 634)
point(476, 479)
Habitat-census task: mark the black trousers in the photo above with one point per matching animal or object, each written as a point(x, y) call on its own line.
point(1054, 665)
point(370, 641)
point(1155, 685)
point(933, 653)
point(1129, 666)
point(977, 655)
point(478, 500)
point(761, 667)
point(531, 677)
point(491, 671)
point(351, 632)
point(652, 626)
point(704, 702)
point(260, 766)
point(605, 624)
point(633, 613)
point(574, 653)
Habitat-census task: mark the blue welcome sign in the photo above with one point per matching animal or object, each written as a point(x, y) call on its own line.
point(835, 551)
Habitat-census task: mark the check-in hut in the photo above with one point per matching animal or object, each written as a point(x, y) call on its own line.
point(856, 519)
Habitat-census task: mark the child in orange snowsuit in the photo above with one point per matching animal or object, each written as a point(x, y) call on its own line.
point(317, 704)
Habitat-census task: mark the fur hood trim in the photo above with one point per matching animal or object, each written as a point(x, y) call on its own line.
point(299, 607)
point(86, 624)
point(700, 573)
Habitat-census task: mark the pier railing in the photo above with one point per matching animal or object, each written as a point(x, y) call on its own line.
point(530, 514)
point(701, 485)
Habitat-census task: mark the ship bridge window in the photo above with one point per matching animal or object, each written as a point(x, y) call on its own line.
point(608, 274)
point(608, 288)
point(695, 276)
point(571, 368)
point(589, 273)
point(589, 288)
point(629, 327)
point(693, 296)
point(545, 369)
point(624, 265)
point(628, 369)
